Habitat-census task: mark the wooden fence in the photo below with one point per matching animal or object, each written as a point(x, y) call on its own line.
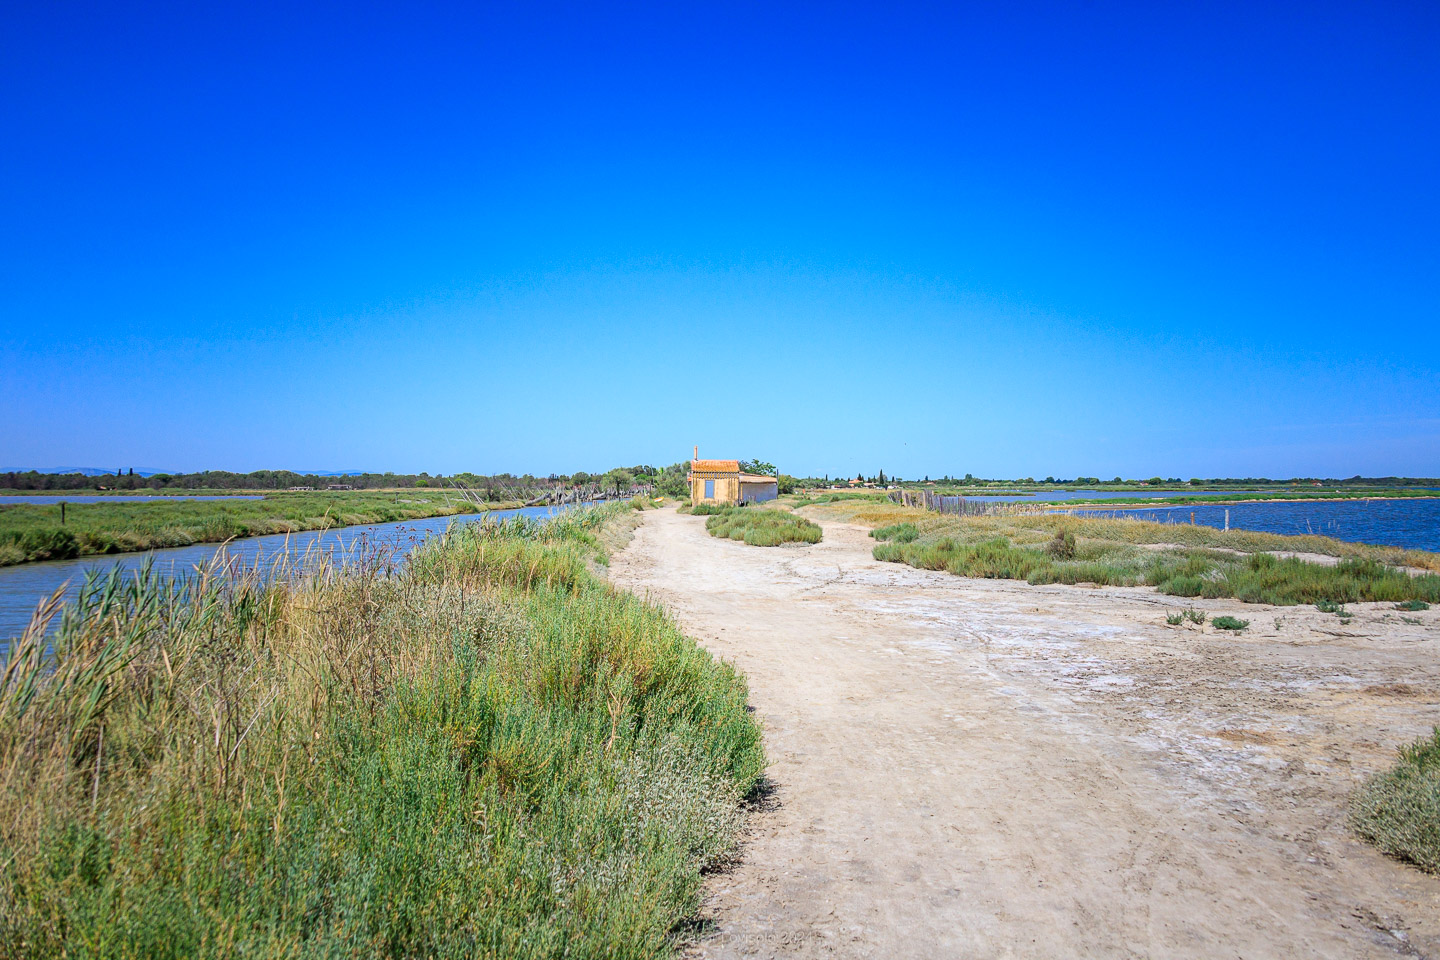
point(952, 505)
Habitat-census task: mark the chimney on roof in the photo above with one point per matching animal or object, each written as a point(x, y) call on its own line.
point(697, 451)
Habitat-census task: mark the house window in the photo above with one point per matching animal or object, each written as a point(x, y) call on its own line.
point(709, 489)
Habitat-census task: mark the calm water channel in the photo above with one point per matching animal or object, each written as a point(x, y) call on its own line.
point(22, 587)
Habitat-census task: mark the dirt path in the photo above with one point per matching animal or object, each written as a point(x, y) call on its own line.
point(970, 768)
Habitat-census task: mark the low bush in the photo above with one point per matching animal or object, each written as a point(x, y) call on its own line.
point(897, 532)
point(1230, 623)
point(762, 528)
point(1399, 810)
point(1413, 605)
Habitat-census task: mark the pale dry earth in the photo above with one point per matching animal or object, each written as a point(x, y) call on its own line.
point(977, 768)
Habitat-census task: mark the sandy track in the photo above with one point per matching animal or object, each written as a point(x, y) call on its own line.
point(970, 768)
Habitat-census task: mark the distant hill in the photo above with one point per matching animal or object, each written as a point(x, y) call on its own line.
point(85, 471)
point(151, 471)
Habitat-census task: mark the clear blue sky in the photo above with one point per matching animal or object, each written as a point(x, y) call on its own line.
point(1069, 239)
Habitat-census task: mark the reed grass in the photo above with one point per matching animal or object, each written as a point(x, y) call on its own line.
point(487, 753)
point(762, 528)
point(35, 533)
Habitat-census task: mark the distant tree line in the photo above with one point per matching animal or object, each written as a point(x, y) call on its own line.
point(499, 486)
point(620, 481)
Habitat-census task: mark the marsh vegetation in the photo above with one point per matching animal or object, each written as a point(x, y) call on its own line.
point(1177, 559)
point(489, 752)
point(37, 532)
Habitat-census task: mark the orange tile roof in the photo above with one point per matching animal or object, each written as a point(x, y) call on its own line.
point(715, 466)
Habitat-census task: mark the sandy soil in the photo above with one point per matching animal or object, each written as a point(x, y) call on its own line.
point(970, 768)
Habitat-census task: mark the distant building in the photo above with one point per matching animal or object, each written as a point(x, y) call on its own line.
point(300, 489)
point(723, 482)
point(340, 486)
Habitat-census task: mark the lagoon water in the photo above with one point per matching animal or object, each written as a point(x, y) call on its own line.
point(1412, 523)
point(1100, 495)
point(25, 585)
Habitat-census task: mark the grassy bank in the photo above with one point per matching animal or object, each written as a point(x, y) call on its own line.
point(1182, 560)
point(36, 533)
point(756, 526)
point(843, 496)
point(489, 754)
point(1399, 810)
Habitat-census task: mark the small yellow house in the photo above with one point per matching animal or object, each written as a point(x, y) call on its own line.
point(722, 482)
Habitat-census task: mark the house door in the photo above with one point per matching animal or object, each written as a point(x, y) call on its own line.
point(709, 489)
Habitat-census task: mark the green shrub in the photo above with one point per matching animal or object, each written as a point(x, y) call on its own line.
point(1174, 619)
point(1182, 586)
point(1063, 546)
point(762, 528)
point(1399, 810)
point(1195, 616)
point(1412, 605)
point(897, 532)
point(1230, 623)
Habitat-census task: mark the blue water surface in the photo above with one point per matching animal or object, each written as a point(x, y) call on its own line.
point(1413, 523)
point(1097, 495)
point(24, 586)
